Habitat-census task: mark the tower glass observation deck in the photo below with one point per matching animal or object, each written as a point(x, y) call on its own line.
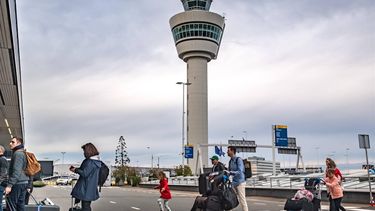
point(196, 4)
point(197, 29)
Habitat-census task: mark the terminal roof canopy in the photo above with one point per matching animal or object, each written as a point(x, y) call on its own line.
point(11, 115)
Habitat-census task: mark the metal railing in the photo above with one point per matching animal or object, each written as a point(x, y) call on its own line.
point(359, 183)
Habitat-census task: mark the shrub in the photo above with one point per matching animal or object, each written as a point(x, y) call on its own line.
point(39, 184)
point(134, 180)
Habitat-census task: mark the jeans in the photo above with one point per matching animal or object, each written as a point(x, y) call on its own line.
point(1, 197)
point(17, 197)
point(335, 204)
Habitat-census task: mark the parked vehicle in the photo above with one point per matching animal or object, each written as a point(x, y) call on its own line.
point(64, 180)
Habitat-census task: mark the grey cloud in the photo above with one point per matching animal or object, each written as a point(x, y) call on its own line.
point(97, 70)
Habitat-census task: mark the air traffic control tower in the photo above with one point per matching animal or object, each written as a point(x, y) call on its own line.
point(197, 33)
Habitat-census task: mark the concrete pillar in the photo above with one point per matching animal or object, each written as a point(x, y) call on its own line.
point(197, 115)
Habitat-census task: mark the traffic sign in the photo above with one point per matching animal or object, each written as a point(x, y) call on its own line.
point(364, 141)
point(189, 152)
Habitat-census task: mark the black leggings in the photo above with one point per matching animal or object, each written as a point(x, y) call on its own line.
point(86, 205)
point(335, 204)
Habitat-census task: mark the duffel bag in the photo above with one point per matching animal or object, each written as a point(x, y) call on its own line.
point(229, 197)
point(292, 204)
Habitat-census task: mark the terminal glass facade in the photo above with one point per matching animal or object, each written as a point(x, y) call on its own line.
point(197, 4)
point(197, 29)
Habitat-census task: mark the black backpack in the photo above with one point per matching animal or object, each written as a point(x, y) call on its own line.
point(247, 164)
point(103, 175)
point(311, 183)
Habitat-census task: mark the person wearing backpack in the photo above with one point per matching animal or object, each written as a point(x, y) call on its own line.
point(237, 169)
point(86, 188)
point(18, 180)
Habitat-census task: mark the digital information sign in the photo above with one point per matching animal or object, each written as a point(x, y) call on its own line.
point(281, 135)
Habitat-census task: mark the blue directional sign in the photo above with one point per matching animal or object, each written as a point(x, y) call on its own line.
point(281, 135)
point(189, 151)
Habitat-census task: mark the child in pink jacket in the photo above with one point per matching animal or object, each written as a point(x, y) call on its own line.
point(335, 189)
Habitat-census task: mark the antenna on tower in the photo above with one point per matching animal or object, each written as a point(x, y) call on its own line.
point(224, 14)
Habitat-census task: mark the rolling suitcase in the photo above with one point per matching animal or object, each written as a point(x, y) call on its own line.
point(45, 205)
point(204, 184)
point(40, 207)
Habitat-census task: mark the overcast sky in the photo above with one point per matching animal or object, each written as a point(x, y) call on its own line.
point(95, 70)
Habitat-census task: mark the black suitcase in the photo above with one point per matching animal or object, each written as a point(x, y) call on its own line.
point(35, 207)
point(204, 184)
point(210, 203)
point(41, 206)
point(316, 204)
point(297, 205)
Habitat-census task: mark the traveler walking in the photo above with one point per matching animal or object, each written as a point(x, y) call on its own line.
point(165, 193)
point(3, 174)
point(18, 180)
point(86, 188)
point(237, 169)
point(217, 166)
point(335, 190)
point(330, 164)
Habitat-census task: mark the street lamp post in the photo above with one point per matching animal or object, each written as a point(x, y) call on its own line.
point(152, 159)
point(183, 120)
point(347, 159)
point(63, 153)
point(317, 156)
point(245, 132)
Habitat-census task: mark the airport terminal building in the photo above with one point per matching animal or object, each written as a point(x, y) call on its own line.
point(11, 123)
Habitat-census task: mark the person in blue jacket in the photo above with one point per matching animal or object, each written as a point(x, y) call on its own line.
point(86, 188)
point(237, 170)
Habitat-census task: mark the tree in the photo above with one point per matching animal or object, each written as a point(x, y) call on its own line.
point(183, 170)
point(121, 158)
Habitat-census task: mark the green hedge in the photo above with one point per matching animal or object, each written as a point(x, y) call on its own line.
point(38, 184)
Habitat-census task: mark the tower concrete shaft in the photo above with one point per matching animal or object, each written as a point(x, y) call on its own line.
point(197, 34)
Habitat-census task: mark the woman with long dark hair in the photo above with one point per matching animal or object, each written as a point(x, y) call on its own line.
point(331, 165)
point(86, 188)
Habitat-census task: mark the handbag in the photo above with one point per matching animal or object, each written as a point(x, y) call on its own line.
point(229, 197)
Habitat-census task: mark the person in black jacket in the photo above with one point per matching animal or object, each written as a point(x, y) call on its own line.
point(86, 188)
point(217, 166)
point(3, 174)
